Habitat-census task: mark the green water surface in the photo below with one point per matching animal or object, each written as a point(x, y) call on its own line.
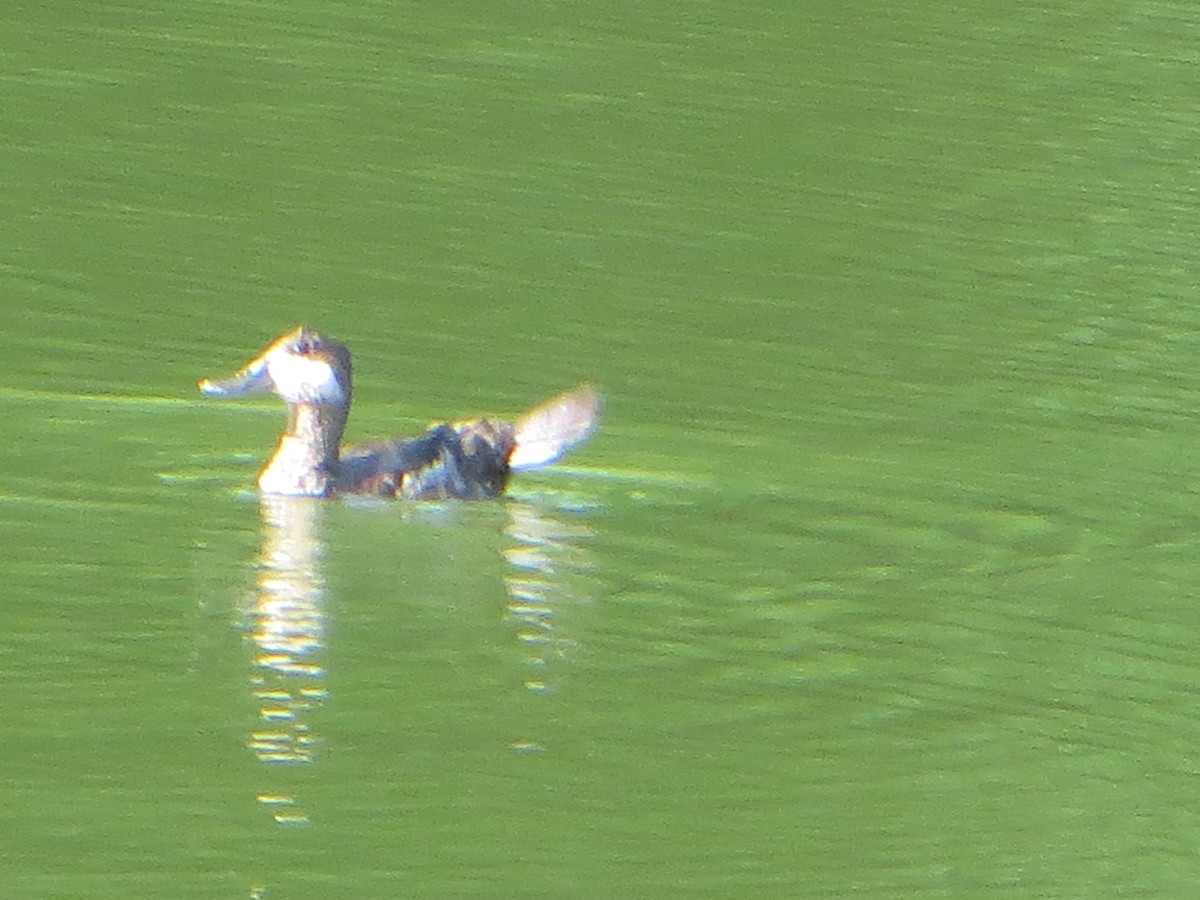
point(877, 579)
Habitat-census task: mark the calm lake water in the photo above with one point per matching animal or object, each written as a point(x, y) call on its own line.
point(878, 579)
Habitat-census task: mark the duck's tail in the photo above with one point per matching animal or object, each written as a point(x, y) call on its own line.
point(550, 429)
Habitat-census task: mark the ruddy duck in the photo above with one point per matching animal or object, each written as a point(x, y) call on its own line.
point(470, 460)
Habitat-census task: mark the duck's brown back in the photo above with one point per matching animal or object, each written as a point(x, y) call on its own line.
point(472, 464)
point(463, 461)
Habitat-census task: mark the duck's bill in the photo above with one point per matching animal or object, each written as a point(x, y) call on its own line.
point(251, 380)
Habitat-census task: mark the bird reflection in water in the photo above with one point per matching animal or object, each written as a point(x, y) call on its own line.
point(544, 550)
point(286, 624)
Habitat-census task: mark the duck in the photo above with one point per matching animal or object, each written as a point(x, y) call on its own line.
point(467, 460)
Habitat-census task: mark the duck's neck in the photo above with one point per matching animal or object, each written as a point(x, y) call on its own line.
point(305, 462)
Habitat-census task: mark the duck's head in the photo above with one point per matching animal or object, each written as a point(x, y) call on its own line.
point(302, 367)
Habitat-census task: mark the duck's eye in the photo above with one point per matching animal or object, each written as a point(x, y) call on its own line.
point(305, 345)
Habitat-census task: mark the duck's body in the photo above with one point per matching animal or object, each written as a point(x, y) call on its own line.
point(468, 460)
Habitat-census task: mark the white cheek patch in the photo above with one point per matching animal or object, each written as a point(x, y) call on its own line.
point(300, 379)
